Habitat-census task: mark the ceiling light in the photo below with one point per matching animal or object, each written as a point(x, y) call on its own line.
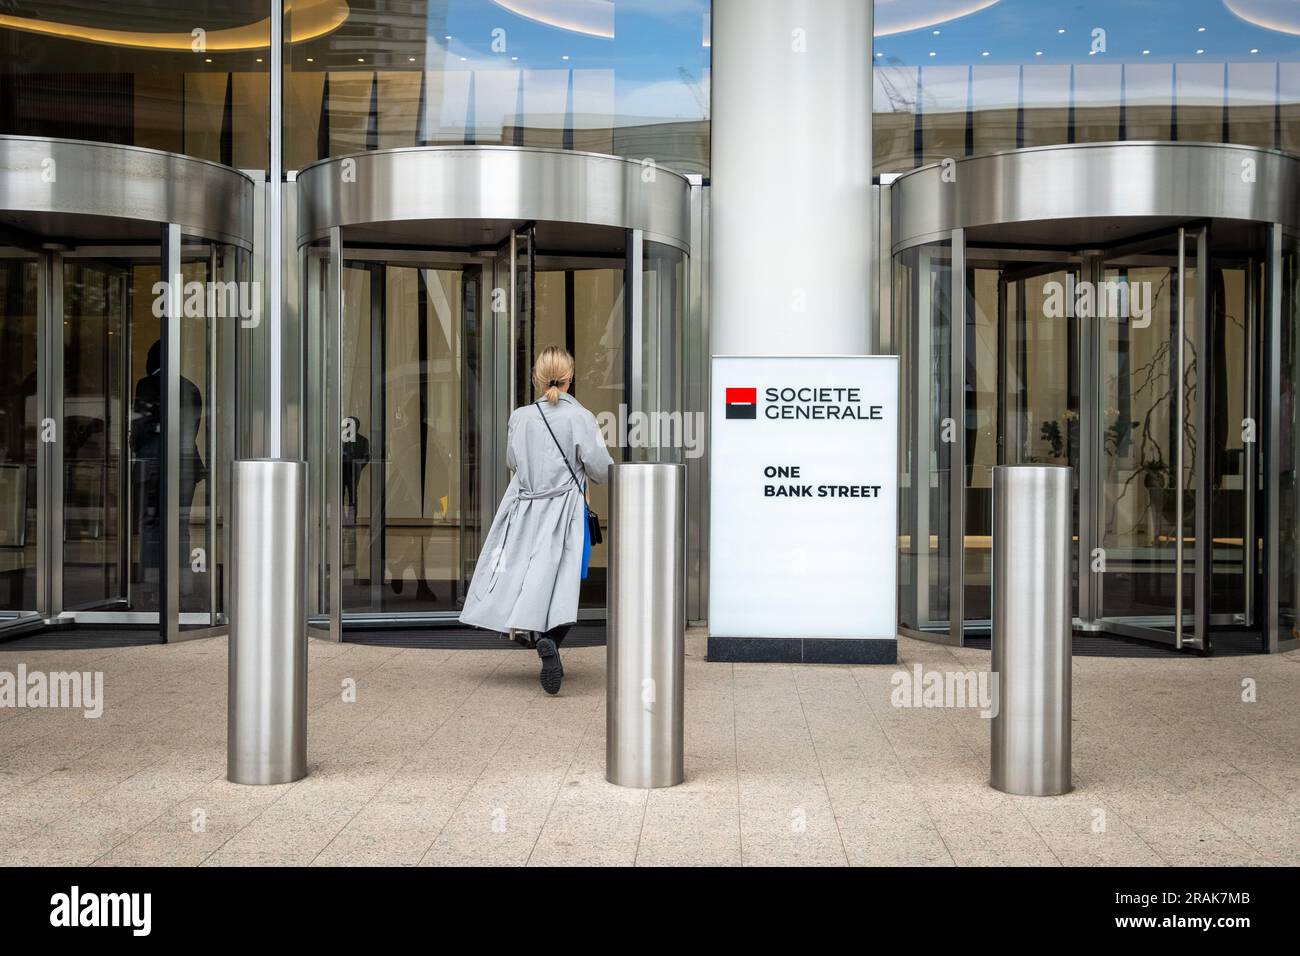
point(1038, 53)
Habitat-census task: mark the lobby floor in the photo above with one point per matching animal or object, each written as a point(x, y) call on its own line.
point(457, 757)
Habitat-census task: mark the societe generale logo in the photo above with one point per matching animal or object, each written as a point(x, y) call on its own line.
point(742, 403)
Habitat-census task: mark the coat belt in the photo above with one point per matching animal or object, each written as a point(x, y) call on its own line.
point(522, 495)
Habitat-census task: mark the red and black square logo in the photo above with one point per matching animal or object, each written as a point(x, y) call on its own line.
point(742, 403)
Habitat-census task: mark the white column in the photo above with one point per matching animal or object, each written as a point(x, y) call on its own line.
point(791, 177)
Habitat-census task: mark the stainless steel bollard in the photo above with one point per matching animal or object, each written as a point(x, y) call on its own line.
point(266, 730)
point(1031, 629)
point(646, 648)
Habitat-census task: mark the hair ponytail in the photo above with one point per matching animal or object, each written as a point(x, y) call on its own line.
point(552, 371)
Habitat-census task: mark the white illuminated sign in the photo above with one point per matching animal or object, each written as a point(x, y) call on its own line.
point(804, 497)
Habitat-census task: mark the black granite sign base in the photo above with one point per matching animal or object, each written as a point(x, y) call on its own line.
point(802, 650)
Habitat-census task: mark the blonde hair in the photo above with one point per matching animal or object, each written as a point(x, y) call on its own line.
point(553, 370)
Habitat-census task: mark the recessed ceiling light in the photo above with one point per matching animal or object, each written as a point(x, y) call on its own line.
point(1200, 29)
point(311, 59)
point(984, 53)
point(410, 59)
point(1146, 52)
point(565, 57)
point(932, 53)
point(207, 59)
point(1199, 52)
point(361, 59)
point(447, 37)
point(463, 59)
point(936, 32)
point(1038, 53)
point(1062, 30)
point(259, 59)
point(1255, 50)
point(514, 58)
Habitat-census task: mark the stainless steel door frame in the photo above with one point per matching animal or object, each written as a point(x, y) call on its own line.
point(1271, 433)
point(51, 372)
point(332, 423)
point(957, 449)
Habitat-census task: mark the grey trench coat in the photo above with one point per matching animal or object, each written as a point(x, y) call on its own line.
point(529, 570)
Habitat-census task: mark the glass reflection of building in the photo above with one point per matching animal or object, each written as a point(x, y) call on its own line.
point(971, 77)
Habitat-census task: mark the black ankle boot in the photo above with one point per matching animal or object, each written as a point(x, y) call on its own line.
point(552, 669)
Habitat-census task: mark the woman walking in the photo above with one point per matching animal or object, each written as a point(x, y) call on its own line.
point(529, 570)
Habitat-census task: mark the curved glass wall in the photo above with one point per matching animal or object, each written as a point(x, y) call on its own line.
point(970, 77)
point(1143, 364)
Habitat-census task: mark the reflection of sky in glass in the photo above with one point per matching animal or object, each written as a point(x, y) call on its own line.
point(656, 66)
point(1028, 31)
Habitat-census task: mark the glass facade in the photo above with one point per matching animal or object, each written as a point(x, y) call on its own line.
point(970, 78)
point(630, 79)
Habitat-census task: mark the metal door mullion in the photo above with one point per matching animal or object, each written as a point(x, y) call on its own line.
point(1000, 375)
point(957, 448)
point(333, 433)
point(1090, 451)
point(1272, 434)
point(49, 484)
point(634, 354)
point(378, 432)
point(1205, 385)
point(1250, 474)
point(214, 414)
point(125, 461)
point(170, 460)
point(1180, 416)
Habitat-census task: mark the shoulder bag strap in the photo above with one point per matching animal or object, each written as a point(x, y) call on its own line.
point(560, 449)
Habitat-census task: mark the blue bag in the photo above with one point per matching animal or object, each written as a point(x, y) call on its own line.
point(586, 535)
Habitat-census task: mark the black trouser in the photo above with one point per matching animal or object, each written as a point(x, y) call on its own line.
point(557, 634)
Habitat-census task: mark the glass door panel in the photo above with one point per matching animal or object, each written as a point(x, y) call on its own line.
point(1233, 465)
point(405, 365)
point(195, 397)
point(922, 291)
point(1147, 445)
point(580, 306)
point(19, 435)
point(96, 435)
point(1022, 392)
